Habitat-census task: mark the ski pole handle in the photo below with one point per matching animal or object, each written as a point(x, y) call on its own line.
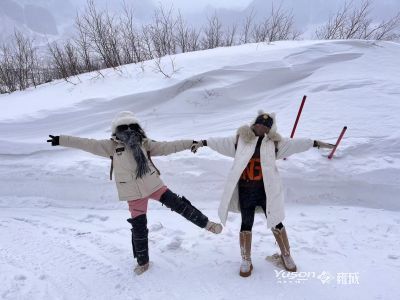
point(338, 141)
point(298, 116)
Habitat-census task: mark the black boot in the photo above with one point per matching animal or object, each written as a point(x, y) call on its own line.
point(183, 207)
point(140, 240)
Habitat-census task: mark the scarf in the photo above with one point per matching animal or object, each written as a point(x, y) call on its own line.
point(133, 139)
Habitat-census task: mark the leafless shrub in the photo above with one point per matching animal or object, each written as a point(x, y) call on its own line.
point(182, 35)
point(162, 68)
point(230, 35)
point(247, 28)
point(279, 25)
point(106, 41)
point(20, 66)
point(102, 32)
point(212, 33)
point(355, 22)
point(161, 33)
point(132, 43)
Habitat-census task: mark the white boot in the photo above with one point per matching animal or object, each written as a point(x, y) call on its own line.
point(245, 250)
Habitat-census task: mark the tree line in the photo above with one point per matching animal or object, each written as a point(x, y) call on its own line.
point(104, 40)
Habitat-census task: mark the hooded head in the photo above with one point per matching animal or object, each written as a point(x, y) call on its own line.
point(125, 127)
point(123, 118)
point(268, 121)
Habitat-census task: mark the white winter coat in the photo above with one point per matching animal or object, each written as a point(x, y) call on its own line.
point(272, 182)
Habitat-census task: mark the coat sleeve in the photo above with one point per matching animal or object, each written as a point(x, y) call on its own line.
point(287, 147)
point(224, 145)
point(166, 148)
point(103, 148)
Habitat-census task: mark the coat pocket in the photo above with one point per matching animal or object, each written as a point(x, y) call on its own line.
point(127, 186)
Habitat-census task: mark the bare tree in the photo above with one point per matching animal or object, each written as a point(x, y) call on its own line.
point(102, 32)
point(212, 33)
point(132, 44)
point(8, 78)
point(65, 59)
point(104, 40)
point(229, 35)
point(19, 64)
point(84, 48)
point(352, 22)
point(187, 37)
point(247, 28)
point(194, 39)
point(182, 35)
point(279, 25)
point(386, 30)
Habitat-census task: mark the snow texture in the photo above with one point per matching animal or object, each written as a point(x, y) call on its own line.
point(64, 235)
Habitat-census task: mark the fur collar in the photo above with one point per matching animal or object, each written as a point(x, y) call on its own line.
point(247, 134)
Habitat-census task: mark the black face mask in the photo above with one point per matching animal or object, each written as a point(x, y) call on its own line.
point(133, 139)
point(264, 120)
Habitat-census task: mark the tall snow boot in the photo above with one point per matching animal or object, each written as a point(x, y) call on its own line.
point(245, 250)
point(283, 243)
point(140, 244)
point(182, 206)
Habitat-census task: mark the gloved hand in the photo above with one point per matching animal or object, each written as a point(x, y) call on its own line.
point(196, 145)
point(320, 144)
point(55, 140)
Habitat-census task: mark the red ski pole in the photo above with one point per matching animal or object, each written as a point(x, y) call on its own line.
point(298, 116)
point(338, 141)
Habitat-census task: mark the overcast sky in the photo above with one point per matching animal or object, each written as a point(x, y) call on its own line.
point(57, 16)
point(192, 6)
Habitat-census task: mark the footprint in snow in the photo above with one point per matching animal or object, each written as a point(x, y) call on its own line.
point(175, 244)
point(156, 227)
point(20, 277)
point(90, 218)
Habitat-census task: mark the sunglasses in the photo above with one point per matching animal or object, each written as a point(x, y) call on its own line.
point(121, 128)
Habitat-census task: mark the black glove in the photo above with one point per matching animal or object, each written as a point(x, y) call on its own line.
point(196, 145)
point(320, 144)
point(55, 140)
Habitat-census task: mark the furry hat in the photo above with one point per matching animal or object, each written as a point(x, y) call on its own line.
point(247, 133)
point(273, 134)
point(123, 118)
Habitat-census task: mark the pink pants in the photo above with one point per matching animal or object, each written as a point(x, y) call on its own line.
point(139, 207)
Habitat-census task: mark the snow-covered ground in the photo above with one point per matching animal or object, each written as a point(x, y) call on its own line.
point(64, 234)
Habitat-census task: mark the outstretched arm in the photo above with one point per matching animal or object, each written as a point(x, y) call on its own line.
point(103, 148)
point(166, 148)
point(287, 147)
point(224, 145)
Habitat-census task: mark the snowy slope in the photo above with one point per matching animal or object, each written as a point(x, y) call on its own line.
point(63, 232)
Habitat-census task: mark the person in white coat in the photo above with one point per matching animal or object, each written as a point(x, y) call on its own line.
point(137, 178)
point(254, 181)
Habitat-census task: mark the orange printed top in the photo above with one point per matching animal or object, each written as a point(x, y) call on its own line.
point(252, 176)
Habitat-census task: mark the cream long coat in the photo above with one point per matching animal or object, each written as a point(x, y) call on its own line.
point(272, 182)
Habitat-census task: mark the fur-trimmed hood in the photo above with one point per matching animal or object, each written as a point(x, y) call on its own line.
point(247, 134)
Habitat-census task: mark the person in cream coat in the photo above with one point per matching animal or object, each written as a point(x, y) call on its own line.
point(137, 178)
